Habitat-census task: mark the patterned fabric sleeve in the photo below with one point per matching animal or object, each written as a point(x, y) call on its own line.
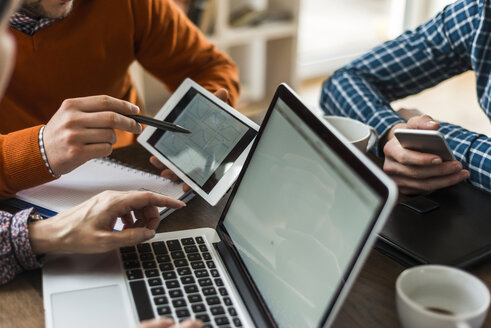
point(414, 61)
point(15, 249)
point(473, 150)
point(447, 45)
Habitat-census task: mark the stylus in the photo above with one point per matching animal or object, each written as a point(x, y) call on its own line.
point(158, 124)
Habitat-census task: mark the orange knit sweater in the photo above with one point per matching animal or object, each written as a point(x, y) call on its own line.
point(88, 53)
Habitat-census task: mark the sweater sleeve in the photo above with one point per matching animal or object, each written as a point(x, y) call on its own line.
point(21, 162)
point(15, 249)
point(172, 48)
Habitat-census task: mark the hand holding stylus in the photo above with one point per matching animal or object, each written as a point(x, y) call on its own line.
point(84, 129)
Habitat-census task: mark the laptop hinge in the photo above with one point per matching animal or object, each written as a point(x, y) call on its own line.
point(249, 297)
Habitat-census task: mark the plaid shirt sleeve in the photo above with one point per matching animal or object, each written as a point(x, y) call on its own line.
point(452, 42)
point(15, 249)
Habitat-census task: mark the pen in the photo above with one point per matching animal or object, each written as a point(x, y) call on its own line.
point(158, 124)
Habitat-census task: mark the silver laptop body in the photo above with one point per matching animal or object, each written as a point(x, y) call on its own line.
point(300, 221)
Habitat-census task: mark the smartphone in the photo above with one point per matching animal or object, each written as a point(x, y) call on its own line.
point(425, 141)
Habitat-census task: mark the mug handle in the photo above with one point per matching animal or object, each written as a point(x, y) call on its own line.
point(373, 138)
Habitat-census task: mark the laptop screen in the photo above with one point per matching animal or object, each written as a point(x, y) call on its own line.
point(298, 219)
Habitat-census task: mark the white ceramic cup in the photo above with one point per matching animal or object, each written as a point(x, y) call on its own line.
point(439, 296)
point(359, 134)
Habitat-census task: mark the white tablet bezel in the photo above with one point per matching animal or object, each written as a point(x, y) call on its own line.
point(222, 186)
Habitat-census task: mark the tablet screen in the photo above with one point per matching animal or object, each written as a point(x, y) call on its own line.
point(217, 139)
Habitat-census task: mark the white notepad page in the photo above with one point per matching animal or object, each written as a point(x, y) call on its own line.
point(92, 178)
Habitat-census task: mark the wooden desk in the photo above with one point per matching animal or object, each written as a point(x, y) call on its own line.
point(371, 302)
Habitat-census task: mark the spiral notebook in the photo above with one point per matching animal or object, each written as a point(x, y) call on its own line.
point(92, 178)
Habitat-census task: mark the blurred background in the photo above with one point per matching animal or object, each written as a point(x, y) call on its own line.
point(302, 42)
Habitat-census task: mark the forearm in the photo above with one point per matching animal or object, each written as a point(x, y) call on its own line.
point(46, 236)
point(349, 94)
point(172, 48)
point(416, 60)
point(220, 73)
point(16, 254)
point(207, 66)
point(21, 163)
point(473, 150)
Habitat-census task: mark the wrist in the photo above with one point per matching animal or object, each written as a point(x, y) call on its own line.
point(390, 134)
point(45, 236)
point(44, 154)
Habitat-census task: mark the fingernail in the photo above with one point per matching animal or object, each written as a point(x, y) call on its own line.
point(457, 168)
point(429, 123)
point(140, 127)
point(149, 234)
point(183, 204)
point(135, 109)
point(153, 160)
point(436, 161)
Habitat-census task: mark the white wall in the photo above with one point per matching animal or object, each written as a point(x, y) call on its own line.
point(334, 32)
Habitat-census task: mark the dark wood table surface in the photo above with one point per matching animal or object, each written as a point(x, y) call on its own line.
point(370, 303)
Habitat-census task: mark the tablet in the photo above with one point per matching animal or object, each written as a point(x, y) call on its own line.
point(211, 157)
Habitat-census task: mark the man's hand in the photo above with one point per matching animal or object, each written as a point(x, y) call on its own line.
point(416, 172)
point(408, 113)
point(167, 173)
point(169, 323)
point(83, 129)
point(88, 227)
point(222, 94)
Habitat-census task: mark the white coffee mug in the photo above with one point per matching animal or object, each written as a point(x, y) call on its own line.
point(359, 134)
point(439, 296)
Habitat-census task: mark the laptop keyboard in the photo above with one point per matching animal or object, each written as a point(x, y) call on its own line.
point(178, 279)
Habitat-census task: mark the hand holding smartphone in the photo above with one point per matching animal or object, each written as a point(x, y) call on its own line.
point(424, 141)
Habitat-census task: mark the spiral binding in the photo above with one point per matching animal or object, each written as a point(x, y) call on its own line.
point(129, 168)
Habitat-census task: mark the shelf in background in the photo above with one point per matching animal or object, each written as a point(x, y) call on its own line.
point(265, 54)
point(241, 35)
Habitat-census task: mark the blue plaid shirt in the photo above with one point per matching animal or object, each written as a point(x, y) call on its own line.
point(457, 40)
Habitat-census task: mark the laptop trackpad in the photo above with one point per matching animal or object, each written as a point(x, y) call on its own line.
point(93, 307)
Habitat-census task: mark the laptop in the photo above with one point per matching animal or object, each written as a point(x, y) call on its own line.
point(296, 229)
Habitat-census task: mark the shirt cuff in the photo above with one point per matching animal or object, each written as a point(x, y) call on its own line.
point(459, 140)
point(43, 152)
point(21, 244)
point(382, 122)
